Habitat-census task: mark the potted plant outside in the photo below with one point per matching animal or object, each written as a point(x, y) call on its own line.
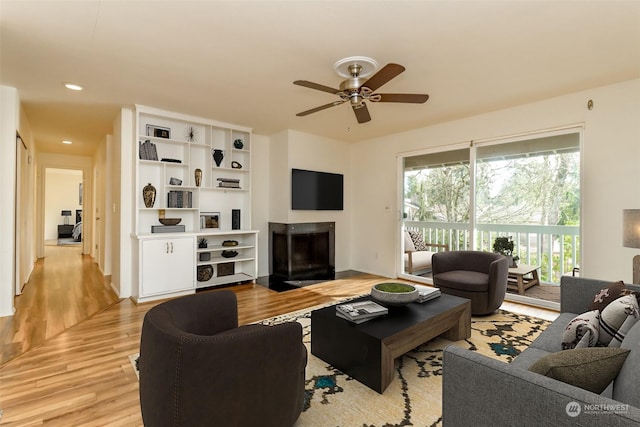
point(505, 246)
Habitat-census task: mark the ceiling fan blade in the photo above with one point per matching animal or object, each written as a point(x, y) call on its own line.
point(316, 86)
point(362, 114)
point(414, 98)
point(385, 74)
point(320, 108)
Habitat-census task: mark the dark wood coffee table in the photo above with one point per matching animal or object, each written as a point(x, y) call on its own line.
point(367, 351)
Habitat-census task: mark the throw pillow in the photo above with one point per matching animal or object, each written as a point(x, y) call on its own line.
point(617, 319)
point(607, 295)
point(417, 240)
point(591, 369)
point(582, 331)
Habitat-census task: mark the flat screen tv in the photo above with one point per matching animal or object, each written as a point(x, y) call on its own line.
point(318, 191)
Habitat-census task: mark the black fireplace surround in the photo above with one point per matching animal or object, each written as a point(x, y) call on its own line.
point(303, 251)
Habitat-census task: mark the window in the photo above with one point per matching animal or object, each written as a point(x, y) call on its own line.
point(527, 188)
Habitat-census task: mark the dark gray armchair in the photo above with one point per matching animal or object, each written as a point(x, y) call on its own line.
point(198, 368)
point(478, 276)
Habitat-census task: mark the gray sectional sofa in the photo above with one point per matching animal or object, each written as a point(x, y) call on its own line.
point(481, 391)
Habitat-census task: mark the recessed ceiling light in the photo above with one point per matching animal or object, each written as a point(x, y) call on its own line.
point(73, 86)
point(66, 141)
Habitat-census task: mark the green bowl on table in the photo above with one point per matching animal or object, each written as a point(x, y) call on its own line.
point(391, 293)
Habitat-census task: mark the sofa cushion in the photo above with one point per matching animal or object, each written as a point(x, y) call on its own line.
point(616, 320)
point(551, 338)
point(582, 331)
point(606, 296)
point(528, 357)
point(464, 280)
point(591, 369)
point(418, 241)
point(626, 387)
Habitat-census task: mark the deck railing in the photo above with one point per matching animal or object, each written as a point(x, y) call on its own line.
point(555, 248)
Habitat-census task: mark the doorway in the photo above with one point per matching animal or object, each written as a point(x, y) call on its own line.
point(63, 207)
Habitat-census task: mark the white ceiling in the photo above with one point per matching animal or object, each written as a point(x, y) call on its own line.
point(235, 61)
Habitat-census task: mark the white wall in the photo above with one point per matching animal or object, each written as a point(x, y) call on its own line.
point(610, 174)
point(62, 191)
point(292, 149)
point(124, 256)
point(260, 198)
point(9, 123)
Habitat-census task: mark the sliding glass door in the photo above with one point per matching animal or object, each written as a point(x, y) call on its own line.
point(464, 197)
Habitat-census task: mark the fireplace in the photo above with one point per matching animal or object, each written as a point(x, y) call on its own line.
point(303, 251)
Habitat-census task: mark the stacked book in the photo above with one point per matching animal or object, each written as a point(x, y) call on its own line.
point(180, 199)
point(147, 150)
point(228, 183)
point(359, 312)
point(426, 293)
point(167, 228)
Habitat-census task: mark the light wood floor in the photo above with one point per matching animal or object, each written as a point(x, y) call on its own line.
point(83, 377)
point(65, 288)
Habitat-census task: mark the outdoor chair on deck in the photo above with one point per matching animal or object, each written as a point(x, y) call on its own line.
point(417, 257)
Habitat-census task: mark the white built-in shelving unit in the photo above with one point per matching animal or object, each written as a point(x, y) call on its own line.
point(170, 148)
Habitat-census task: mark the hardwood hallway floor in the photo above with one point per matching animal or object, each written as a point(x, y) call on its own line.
point(65, 288)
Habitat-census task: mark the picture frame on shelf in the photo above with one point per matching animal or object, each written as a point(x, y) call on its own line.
point(226, 269)
point(159, 131)
point(210, 220)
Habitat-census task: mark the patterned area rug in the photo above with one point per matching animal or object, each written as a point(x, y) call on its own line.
point(333, 399)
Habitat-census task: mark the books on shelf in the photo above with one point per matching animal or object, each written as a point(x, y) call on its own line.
point(228, 183)
point(147, 150)
point(359, 312)
point(179, 199)
point(167, 228)
point(426, 293)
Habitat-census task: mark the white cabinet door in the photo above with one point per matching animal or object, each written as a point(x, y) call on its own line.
point(167, 265)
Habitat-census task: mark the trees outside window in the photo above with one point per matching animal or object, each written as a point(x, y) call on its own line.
point(521, 186)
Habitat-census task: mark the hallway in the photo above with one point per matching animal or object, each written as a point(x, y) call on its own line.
point(65, 288)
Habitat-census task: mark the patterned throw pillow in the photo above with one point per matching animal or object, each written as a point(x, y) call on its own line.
point(582, 331)
point(607, 295)
point(617, 319)
point(417, 240)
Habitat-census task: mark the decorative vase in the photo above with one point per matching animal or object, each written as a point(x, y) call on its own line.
point(218, 155)
point(238, 144)
point(149, 195)
point(198, 176)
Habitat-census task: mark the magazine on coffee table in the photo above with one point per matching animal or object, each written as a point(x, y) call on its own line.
point(362, 311)
point(426, 293)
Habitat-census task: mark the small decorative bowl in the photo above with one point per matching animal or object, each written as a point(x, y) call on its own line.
point(230, 243)
point(169, 221)
point(394, 293)
point(229, 254)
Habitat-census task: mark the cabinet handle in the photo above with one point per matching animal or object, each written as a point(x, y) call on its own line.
point(171, 247)
point(166, 247)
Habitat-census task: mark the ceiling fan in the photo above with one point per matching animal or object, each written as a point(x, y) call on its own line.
point(356, 88)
